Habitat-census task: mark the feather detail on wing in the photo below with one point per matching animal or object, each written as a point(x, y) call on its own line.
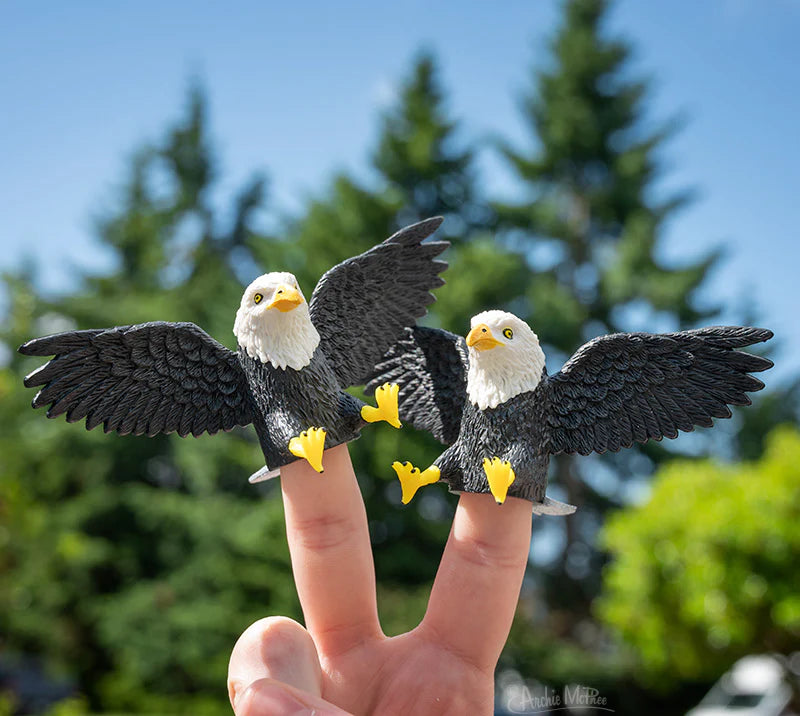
point(145, 379)
point(361, 306)
point(629, 387)
point(430, 365)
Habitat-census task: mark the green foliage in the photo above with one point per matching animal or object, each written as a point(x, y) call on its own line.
point(556, 660)
point(590, 183)
point(418, 157)
point(780, 405)
point(589, 227)
point(706, 571)
point(421, 171)
point(133, 564)
point(6, 704)
point(75, 706)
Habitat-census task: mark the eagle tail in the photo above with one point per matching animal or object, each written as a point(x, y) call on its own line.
point(549, 506)
point(265, 473)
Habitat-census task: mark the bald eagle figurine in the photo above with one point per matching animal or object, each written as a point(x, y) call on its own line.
point(288, 377)
point(489, 398)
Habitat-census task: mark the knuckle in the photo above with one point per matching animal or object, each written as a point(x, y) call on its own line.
point(279, 629)
point(480, 666)
point(280, 638)
point(339, 638)
point(488, 554)
point(270, 630)
point(324, 532)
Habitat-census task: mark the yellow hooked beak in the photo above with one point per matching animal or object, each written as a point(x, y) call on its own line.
point(481, 338)
point(286, 298)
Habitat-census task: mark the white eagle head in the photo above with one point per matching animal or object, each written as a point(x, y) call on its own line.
point(505, 358)
point(273, 323)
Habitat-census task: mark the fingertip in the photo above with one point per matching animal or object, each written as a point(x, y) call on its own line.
point(478, 512)
point(277, 648)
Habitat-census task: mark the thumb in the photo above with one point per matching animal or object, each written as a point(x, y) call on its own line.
point(267, 697)
point(277, 648)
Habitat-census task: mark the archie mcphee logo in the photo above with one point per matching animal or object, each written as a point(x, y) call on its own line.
point(524, 700)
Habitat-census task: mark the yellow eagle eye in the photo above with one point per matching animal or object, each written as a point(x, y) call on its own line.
point(258, 298)
point(508, 333)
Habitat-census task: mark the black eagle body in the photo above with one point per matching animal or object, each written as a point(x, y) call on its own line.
point(173, 377)
point(495, 432)
point(616, 390)
point(289, 401)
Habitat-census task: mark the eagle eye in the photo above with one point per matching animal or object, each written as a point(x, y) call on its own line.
point(508, 333)
point(258, 298)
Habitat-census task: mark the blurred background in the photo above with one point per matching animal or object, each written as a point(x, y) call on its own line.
point(601, 167)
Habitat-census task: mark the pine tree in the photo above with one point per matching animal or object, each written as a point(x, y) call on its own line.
point(419, 157)
point(132, 564)
point(422, 168)
point(426, 169)
point(589, 229)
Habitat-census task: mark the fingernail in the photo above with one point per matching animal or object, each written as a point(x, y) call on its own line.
point(235, 689)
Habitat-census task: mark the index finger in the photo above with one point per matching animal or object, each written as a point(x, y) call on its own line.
point(326, 526)
point(476, 590)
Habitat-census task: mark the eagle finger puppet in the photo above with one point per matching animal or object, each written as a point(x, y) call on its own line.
point(490, 400)
point(288, 377)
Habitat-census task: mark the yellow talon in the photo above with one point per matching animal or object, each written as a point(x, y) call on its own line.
point(411, 479)
point(309, 445)
point(500, 476)
point(386, 398)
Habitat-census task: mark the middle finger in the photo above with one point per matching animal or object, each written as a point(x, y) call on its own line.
point(476, 590)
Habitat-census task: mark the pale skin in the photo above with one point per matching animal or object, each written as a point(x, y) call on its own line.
point(341, 662)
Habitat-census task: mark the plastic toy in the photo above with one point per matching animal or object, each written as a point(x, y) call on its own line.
point(294, 360)
point(489, 398)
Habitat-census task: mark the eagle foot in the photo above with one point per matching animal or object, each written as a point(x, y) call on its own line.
point(309, 445)
point(499, 475)
point(386, 398)
point(411, 479)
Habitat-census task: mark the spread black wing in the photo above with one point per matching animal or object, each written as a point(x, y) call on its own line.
point(630, 387)
point(145, 379)
point(430, 365)
point(361, 306)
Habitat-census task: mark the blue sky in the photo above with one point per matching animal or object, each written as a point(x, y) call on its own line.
point(296, 92)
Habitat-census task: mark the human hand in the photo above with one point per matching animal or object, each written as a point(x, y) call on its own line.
point(342, 662)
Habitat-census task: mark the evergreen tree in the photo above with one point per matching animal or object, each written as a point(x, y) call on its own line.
point(589, 229)
point(132, 564)
point(423, 168)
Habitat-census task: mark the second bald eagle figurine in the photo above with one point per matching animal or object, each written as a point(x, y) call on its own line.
point(288, 377)
point(490, 399)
